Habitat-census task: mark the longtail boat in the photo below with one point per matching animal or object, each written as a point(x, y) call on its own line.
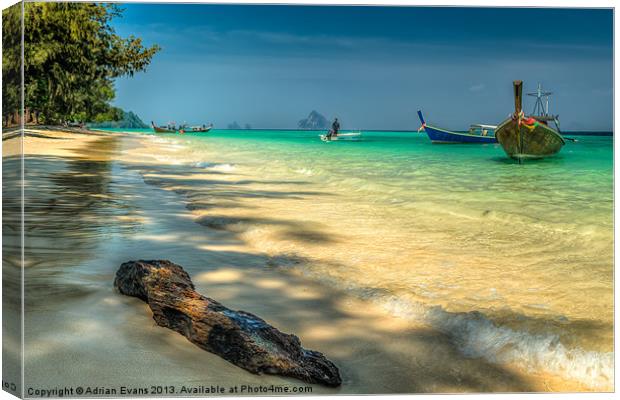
point(195, 129)
point(524, 136)
point(163, 129)
point(478, 133)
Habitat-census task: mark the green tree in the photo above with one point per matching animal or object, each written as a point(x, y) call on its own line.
point(11, 64)
point(71, 57)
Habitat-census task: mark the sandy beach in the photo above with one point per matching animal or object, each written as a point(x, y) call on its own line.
point(95, 200)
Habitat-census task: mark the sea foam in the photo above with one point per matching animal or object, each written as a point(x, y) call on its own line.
point(477, 336)
point(224, 167)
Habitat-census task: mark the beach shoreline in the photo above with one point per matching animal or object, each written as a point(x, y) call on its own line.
point(153, 216)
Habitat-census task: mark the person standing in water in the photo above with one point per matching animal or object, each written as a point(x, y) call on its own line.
point(335, 127)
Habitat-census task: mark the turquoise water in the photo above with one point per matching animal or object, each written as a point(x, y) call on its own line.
point(514, 262)
point(574, 185)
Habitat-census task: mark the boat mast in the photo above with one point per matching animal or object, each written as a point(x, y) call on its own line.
point(540, 108)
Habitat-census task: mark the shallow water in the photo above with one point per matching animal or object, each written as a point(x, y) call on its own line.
point(513, 262)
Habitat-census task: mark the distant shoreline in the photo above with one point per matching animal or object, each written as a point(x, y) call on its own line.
point(565, 133)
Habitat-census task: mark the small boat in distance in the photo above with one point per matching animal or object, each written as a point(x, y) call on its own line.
point(524, 136)
point(170, 128)
point(196, 129)
point(478, 133)
point(203, 128)
point(351, 136)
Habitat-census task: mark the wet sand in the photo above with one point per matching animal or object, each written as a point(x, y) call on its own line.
point(95, 200)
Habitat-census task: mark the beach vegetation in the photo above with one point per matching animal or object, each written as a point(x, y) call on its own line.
point(11, 64)
point(72, 55)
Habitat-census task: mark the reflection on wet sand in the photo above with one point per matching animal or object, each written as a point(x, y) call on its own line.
point(72, 205)
point(11, 261)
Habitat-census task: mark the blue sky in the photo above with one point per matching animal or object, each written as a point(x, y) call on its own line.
point(372, 67)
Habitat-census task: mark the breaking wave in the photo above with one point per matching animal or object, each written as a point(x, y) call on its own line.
point(225, 167)
point(476, 335)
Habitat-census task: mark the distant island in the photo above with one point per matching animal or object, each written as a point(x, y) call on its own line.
point(314, 121)
point(127, 120)
point(236, 125)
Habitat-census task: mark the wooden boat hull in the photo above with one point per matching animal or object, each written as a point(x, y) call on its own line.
point(162, 130)
point(158, 129)
point(521, 141)
point(438, 135)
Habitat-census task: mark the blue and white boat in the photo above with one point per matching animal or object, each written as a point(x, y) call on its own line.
point(328, 137)
point(478, 133)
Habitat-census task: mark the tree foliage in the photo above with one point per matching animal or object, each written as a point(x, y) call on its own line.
point(71, 57)
point(11, 64)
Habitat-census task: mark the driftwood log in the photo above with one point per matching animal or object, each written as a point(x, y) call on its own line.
point(237, 336)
